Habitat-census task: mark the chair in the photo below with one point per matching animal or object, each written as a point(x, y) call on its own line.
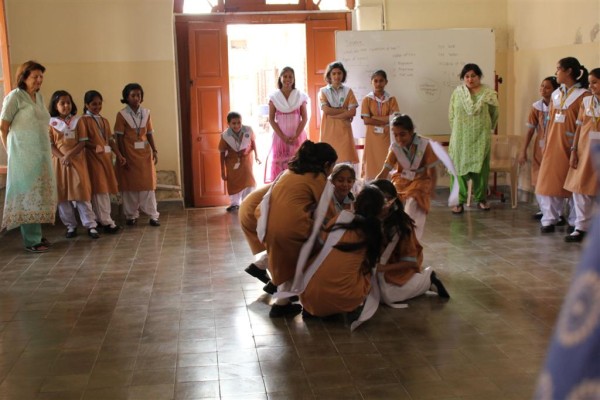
point(504, 158)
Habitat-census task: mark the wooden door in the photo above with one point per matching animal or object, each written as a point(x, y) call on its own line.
point(320, 51)
point(209, 99)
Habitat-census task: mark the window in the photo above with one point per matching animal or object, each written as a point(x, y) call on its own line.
point(5, 86)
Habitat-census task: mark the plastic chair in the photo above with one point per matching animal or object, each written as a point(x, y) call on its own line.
point(504, 158)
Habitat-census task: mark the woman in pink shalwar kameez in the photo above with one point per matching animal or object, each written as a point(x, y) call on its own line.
point(287, 117)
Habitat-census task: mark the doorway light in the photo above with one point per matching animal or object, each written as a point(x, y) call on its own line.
point(270, 2)
point(198, 6)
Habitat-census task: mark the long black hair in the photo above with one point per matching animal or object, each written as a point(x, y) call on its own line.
point(397, 220)
point(578, 72)
point(312, 157)
point(367, 207)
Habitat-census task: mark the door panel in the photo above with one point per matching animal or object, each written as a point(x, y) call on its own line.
point(209, 98)
point(320, 51)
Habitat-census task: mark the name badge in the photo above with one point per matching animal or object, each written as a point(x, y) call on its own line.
point(560, 118)
point(139, 145)
point(408, 174)
point(379, 129)
point(107, 149)
point(70, 135)
point(542, 143)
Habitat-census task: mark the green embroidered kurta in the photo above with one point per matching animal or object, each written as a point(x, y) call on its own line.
point(30, 183)
point(472, 119)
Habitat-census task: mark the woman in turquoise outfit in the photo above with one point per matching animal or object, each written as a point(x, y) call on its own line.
point(473, 116)
point(30, 186)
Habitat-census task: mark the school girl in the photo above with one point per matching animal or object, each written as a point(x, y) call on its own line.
point(339, 274)
point(137, 176)
point(100, 147)
point(343, 178)
point(287, 214)
point(414, 160)
point(564, 108)
point(248, 222)
point(582, 179)
point(401, 275)
point(376, 109)
point(67, 140)
point(338, 107)
point(537, 121)
point(236, 146)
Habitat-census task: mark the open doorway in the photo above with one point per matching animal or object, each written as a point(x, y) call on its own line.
point(257, 54)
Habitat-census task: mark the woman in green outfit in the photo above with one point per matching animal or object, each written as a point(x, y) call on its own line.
point(30, 184)
point(473, 115)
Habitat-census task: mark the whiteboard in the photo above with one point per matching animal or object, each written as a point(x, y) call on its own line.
point(423, 68)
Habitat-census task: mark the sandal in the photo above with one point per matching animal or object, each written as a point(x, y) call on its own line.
point(483, 206)
point(459, 209)
point(37, 248)
point(45, 242)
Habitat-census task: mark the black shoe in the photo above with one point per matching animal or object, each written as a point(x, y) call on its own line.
point(561, 221)
point(270, 288)
point(131, 221)
point(547, 229)
point(112, 229)
point(537, 216)
point(294, 299)
point(570, 229)
point(307, 315)
point(71, 234)
point(154, 222)
point(232, 208)
point(278, 311)
point(439, 286)
point(258, 273)
point(575, 238)
point(93, 233)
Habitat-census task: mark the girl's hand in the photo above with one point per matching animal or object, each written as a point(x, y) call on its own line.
point(522, 158)
point(155, 156)
point(122, 160)
point(65, 160)
point(223, 176)
point(99, 149)
point(258, 161)
point(574, 160)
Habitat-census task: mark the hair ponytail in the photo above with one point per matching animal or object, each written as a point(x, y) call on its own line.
point(312, 157)
point(578, 72)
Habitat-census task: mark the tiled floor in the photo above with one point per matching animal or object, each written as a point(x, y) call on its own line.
point(168, 313)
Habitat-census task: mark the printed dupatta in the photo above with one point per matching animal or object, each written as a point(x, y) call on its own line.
point(488, 96)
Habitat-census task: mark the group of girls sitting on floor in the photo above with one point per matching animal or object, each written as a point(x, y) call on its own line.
point(326, 248)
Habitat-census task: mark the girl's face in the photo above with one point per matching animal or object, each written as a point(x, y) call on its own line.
point(34, 80)
point(64, 106)
point(594, 85)
point(134, 98)
point(472, 80)
point(402, 135)
point(287, 80)
point(378, 83)
point(95, 106)
point(336, 75)
point(389, 201)
point(563, 75)
point(343, 183)
point(546, 89)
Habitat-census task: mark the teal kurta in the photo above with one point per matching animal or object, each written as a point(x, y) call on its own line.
point(472, 119)
point(30, 183)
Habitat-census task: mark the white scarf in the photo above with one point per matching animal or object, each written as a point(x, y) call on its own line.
point(558, 94)
point(133, 120)
point(292, 103)
point(230, 138)
point(62, 126)
point(336, 97)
